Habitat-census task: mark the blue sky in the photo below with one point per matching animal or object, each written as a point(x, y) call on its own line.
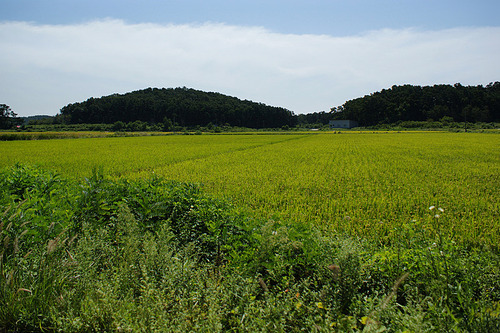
point(306, 56)
point(333, 17)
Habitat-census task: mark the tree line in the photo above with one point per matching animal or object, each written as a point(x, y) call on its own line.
point(175, 108)
point(451, 103)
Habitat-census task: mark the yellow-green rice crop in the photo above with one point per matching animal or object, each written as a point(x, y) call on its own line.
point(126, 155)
point(367, 184)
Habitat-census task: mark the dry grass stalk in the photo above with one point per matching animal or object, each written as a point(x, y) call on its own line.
point(16, 245)
point(70, 256)
point(25, 290)
point(373, 324)
point(52, 245)
point(394, 289)
point(263, 285)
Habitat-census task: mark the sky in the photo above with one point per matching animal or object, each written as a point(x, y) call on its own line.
point(304, 55)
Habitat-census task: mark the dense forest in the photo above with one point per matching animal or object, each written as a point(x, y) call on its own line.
point(182, 106)
point(189, 107)
point(414, 103)
point(168, 109)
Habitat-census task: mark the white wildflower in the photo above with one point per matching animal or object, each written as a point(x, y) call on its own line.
point(441, 210)
point(432, 207)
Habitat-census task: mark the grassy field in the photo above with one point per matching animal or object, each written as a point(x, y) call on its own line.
point(342, 231)
point(361, 184)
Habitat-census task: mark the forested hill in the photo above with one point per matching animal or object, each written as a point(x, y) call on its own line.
point(415, 103)
point(183, 106)
point(189, 108)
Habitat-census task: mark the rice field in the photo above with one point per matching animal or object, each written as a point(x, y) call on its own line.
point(349, 232)
point(362, 184)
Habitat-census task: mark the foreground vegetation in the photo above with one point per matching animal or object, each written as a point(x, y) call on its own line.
point(158, 255)
point(345, 232)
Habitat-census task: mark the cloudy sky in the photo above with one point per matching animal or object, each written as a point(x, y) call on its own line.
point(304, 55)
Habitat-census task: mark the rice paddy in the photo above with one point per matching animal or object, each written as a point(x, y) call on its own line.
point(360, 184)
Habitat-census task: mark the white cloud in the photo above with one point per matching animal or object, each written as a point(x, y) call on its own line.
point(44, 67)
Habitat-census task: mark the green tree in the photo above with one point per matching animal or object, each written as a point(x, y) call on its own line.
point(118, 126)
point(167, 125)
point(7, 117)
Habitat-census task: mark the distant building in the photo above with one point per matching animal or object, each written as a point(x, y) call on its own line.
point(343, 124)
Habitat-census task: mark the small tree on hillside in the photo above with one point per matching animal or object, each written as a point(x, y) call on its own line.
point(7, 117)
